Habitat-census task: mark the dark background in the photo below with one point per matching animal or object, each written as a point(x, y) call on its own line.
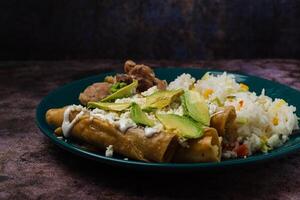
point(149, 29)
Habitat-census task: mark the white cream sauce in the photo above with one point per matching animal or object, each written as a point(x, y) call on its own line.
point(122, 122)
point(67, 125)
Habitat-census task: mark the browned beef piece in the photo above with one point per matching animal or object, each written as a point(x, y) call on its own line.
point(143, 84)
point(125, 78)
point(94, 92)
point(161, 84)
point(129, 64)
point(144, 75)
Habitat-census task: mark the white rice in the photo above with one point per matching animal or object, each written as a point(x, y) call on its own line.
point(221, 86)
point(184, 81)
point(260, 119)
point(150, 91)
point(251, 117)
point(287, 120)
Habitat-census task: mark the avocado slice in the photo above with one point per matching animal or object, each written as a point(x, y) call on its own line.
point(123, 92)
point(161, 99)
point(196, 107)
point(109, 106)
point(139, 117)
point(183, 104)
point(181, 125)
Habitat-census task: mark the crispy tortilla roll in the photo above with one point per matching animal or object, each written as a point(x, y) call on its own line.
point(224, 122)
point(132, 144)
point(206, 149)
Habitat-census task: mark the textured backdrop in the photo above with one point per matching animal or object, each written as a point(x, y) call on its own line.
point(149, 29)
point(31, 167)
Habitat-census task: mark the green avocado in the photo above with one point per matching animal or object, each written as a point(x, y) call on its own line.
point(139, 117)
point(183, 104)
point(109, 106)
point(123, 92)
point(161, 99)
point(181, 125)
point(196, 107)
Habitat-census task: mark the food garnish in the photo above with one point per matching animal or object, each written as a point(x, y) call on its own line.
point(162, 98)
point(123, 92)
point(139, 117)
point(183, 126)
point(109, 106)
point(196, 107)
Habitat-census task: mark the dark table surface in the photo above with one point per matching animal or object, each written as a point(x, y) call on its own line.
point(31, 167)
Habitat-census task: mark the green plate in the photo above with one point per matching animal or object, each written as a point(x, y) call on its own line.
point(68, 94)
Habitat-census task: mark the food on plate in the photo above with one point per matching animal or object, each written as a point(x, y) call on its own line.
point(131, 142)
point(191, 119)
point(224, 121)
point(94, 92)
point(122, 92)
point(196, 107)
point(182, 125)
point(207, 148)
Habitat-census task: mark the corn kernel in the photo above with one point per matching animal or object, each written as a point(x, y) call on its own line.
point(280, 103)
point(275, 121)
point(264, 138)
point(207, 93)
point(244, 87)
